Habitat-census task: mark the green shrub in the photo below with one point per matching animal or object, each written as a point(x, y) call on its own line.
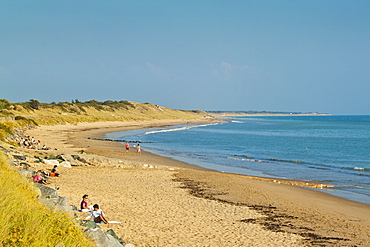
point(26, 121)
point(6, 128)
point(4, 104)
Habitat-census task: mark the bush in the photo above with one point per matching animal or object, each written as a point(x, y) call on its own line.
point(26, 121)
point(6, 128)
point(4, 104)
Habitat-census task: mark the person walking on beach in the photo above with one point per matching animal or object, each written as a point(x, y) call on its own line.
point(127, 147)
point(98, 215)
point(138, 149)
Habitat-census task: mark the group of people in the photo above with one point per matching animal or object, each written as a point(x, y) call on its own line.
point(31, 143)
point(94, 211)
point(138, 148)
point(38, 177)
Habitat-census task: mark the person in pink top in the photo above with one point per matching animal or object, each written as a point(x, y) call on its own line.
point(38, 179)
point(84, 205)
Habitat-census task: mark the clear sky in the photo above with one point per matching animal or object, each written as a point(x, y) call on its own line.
point(305, 56)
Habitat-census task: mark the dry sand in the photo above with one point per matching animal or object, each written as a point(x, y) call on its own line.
point(164, 202)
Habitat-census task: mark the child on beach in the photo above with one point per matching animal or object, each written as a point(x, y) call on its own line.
point(98, 215)
point(127, 147)
point(138, 149)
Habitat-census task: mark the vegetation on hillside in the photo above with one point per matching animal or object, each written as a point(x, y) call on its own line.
point(25, 222)
point(33, 112)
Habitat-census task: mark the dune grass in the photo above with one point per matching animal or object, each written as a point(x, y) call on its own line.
point(25, 221)
point(34, 113)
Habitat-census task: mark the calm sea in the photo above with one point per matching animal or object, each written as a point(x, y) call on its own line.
point(333, 150)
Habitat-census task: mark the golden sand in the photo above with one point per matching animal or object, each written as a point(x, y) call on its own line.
point(164, 202)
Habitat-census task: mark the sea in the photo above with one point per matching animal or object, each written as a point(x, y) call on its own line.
point(329, 149)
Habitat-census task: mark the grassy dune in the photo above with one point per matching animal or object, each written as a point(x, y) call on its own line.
point(14, 115)
point(25, 222)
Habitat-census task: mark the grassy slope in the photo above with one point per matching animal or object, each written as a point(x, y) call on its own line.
point(25, 222)
point(19, 114)
point(72, 113)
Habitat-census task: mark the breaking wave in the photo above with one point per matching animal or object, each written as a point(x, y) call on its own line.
point(178, 129)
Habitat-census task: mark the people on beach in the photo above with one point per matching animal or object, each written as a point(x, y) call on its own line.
point(84, 205)
point(39, 179)
point(127, 147)
point(30, 143)
point(138, 149)
point(97, 214)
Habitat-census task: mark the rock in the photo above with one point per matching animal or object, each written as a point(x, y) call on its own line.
point(20, 157)
point(47, 192)
point(59, 203)
point(66, 164)
point(51, 157)
point(90, 224)
point(52, 162)
point(76, 157)
point(62, 204)
point(38, 159)
point(102, 239)
point(120, 240)
point(74, 160)
point(61, 157)
point(4, 149)
point(26, 173)
point(50, 198)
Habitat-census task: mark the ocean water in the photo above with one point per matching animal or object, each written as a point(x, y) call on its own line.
point(333, 150)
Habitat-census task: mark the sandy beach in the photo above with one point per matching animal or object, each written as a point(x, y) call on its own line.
point(164, 202)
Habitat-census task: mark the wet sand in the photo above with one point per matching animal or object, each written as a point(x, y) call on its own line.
point(164, 202)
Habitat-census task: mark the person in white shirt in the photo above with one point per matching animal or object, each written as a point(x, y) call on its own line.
point(98, 215)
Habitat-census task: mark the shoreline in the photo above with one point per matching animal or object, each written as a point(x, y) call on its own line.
point(286, 209)
point(99, 135)
point(231, 114)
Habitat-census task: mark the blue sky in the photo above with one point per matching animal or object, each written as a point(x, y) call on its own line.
point(305, 56)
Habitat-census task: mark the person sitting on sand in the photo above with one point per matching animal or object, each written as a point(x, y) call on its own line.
point(38, 179)
point(98, 215)
point(54, 172)
point(84, 205)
